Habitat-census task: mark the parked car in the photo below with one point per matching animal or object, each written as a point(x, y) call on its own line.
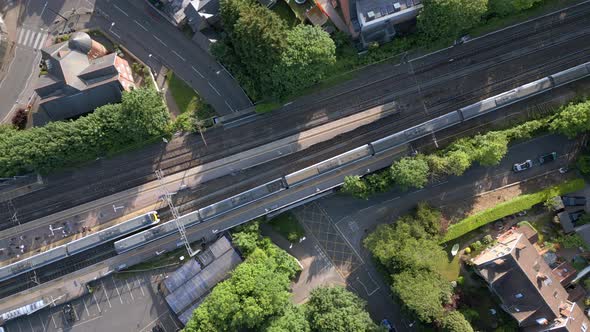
point(547, 157)
point(522, 166)
point(573, 200)
point(69, 313)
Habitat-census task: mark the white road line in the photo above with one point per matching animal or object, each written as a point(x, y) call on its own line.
point(228, 105)
point(130, 292)
point(31, 325)
point(121, 10)
point(114, 33)
point(39, 35)
point(85, 307)
point(44, 328)
point(117, 288)
point(105, 294)
point(53, 319)
point(178, 55)
point(140, 25)
point(198, 72)
point(86, 321)
point(43, 39)
point(21, 33)
point(26, 40)
point(19, 328)
point(160, 40)
point(96, 301)
point(212, 87)
point(139, 284)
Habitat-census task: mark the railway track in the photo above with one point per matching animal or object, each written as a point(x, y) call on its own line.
point(180, 157)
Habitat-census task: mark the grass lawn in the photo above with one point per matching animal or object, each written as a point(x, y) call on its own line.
point(287, 225)
point(185, 97)
point(450, 269)
point(522, 202)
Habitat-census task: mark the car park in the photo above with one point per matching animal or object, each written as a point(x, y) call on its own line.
point(68, 312)
point(547, 157)
point(573, 200)
point(519, 167)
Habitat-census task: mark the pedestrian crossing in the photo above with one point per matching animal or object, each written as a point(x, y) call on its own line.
point(34, 39)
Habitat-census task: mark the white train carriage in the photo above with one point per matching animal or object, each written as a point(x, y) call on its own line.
point(113, 232)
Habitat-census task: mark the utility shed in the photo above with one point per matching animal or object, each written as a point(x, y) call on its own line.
point(188, 286)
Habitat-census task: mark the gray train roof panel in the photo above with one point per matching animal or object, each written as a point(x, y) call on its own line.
point(109, 233)
point(186, 315)
point(202, 283)
point(182, 275)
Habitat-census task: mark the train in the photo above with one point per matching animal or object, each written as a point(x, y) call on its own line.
point(60, 252)
point(357, 155)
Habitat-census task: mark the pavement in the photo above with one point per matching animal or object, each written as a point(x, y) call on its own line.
point(123, 302)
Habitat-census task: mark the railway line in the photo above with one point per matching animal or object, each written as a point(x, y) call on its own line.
point(52, 270)
point(72, 190)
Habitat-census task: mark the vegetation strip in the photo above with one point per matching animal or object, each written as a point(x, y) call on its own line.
point(520, 203)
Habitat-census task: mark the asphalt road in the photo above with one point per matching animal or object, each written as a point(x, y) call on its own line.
point(481, 68)
point(142, 30)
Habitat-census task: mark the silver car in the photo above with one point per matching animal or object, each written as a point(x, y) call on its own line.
point(522, 166)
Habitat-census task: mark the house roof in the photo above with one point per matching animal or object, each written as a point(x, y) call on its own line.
point(584, 232)
point(565, 221)
point(523, 281)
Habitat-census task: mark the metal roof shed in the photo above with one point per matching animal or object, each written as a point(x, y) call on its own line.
point(182, 275)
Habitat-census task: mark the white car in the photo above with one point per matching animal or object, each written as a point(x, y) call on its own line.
point(522, 166)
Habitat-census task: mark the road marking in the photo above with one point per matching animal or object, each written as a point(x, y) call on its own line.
point(212, 87)
point(161, 42)
point(178, 55)
point(140, 25)
point(53, 319)
point(37, 40)
point(42, 41)
point(117, 288)
point(95, 301)
point(228, 105)
point(31, 325)
point(130, 292)
point(105, 293)
point(440, 184)
point(44, 328)
point(21, 33)
point(85, 307)
point(198, 72)
point(121, 10)
point(114, 33)
point(26, 40)
point(139, 284)
point(19, 328)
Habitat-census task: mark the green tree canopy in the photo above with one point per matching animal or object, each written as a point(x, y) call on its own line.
point(454, 321)
point(266, 56)
point(410, 172)
point(573, 120)
point(423, 292)
point(507, 7)
point(354, 185)
point(334, 309)
point(441, 19)
point(293, 319)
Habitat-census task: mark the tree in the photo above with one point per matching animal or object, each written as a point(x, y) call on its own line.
point(145, 109)
point(457, 162)
point(309, 54)
point(583, 164)
point(507, 7)
point(423, 292)
point(454, 321)
point(490, 148)
point(293, 319)
point(572, 120)
point(446, 19)
point(334, 309)
point(410, 172)
point(19, 120)
point(355, 186)
point(256, 291)
point(247, 236)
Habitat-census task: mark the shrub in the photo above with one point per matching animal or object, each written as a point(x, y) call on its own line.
point(477, 246)
point(487, 239)
point(515, 205)
point(19, 120)
point(467, 251)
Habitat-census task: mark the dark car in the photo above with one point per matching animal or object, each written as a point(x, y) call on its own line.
point(69, 313)
point(522, 166)
point(387, 324)
point(547, 157)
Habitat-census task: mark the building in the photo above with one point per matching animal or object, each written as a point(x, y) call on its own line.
point(187, 287)
point(527, 287)
point(200, 14)
point(378, 20)
point(81, 76)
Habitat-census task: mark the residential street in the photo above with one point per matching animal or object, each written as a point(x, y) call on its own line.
point(339, 223)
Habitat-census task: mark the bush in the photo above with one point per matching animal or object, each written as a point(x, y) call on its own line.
point(487, 240)
point(19, 120)
point(515, 205)
point(583, 164)
point(467, 251)
point(477, 246)
point(410, 172)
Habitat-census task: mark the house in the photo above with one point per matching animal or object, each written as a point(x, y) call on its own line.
point(81, 76)
point(186, 288)
point(527, 287)
point(378, 20)
point(200, 14)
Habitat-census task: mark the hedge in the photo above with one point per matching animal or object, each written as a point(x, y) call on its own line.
point(515, 205)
